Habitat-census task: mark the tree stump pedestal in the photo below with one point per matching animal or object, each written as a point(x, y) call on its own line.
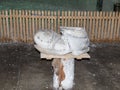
point(63, 65)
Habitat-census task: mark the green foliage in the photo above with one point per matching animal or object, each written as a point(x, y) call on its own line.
point(48, 4)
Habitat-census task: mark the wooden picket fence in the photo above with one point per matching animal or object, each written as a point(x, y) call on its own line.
point(21, 25)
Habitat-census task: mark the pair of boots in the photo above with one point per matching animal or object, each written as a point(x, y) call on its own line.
point(72, 40)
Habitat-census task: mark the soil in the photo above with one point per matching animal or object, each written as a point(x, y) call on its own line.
point(22, 69)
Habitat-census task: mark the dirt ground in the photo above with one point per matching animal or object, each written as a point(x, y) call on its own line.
point(22, 69)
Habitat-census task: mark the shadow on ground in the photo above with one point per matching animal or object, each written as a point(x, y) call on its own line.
point(22, 69)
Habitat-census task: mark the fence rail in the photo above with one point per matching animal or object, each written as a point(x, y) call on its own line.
point(21, 25)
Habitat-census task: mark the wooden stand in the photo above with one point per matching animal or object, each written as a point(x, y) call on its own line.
point(63, 65)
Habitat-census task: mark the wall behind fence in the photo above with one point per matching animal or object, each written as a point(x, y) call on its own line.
point(21, 25)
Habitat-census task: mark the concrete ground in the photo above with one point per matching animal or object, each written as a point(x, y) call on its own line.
point(22, 69)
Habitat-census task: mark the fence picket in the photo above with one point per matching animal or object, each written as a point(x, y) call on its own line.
point(48, 21)
point(112, 25)
point(116, 35)
point(21, 25)
point(54, 23)
point(33, 24)
point(109, 25)
point(69, 12)
point(7, 24)
point(42, 12)
point(99, 25)
point(3, 21)
point(118, 28)
point(102, 25)
point(17, 25)
point(58, 21)
point(90, 24)
point(1, 28)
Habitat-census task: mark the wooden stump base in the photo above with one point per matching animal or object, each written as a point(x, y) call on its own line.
point(63, 73)
point(63, 77)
